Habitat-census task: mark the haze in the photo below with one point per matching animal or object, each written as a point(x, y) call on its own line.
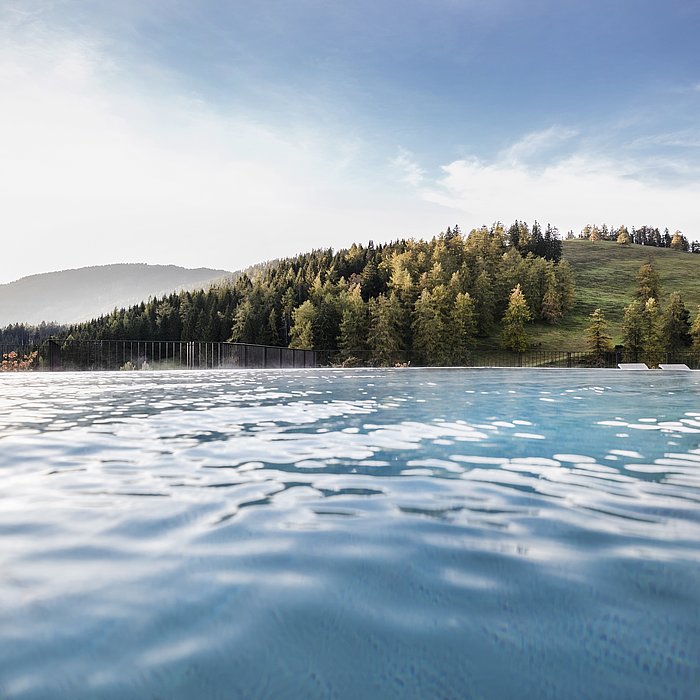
point(220, 134)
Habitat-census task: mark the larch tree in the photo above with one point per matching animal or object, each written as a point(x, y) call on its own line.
point(303, 328)
point(623, 236)
point(648, 283)
point(552, 307)
point(516, 316)
point(597, 338)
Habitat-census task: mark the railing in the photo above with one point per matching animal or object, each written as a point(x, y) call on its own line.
point(533, 358)
point(56, 355)
point(64, 355)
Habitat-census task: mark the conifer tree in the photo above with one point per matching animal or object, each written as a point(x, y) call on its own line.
point(654, 343)
point(433, 339)
point(565, 285)
point(484, 303)
point(648, 283)
point(677, 324)
point(695, 330)
point(354, 327)
point(372, 282)
point(516, 316)
point(463, 323)
point(427, 330)
point(535, 284)
point(385, 339)
point(634, 331)
point(303, 328)
point(623, 236)
point(597, 338)
point(552, 308)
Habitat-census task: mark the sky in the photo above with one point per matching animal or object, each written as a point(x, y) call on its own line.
point(220, 134)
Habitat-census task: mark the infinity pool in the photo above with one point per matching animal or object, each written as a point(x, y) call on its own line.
point(350, 534)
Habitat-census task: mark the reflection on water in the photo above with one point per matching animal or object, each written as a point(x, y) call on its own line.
point(383, 533)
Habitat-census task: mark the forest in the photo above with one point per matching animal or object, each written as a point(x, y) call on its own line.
point(416, 301)
point(408, 301)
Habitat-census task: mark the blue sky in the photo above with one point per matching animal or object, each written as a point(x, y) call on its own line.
point(224, 133)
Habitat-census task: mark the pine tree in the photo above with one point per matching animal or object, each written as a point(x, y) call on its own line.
point(654, 343)
point(597, 338)
point(516, 316)
point(427, 330)
point(677, 324)
point(385, 338)
point(463, 324)
point(484, 303)
point(372, 282)
point(354, 327)
point(434, 340)
point(634, 331)
point(695, 330)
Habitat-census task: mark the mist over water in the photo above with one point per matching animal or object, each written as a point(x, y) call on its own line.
point(406, 533)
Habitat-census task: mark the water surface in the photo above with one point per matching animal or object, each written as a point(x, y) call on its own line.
point(350, 534)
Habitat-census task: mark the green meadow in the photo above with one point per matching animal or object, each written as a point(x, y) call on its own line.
point(606, 278)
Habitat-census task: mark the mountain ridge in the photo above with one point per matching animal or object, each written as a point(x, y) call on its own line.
point(79, 294)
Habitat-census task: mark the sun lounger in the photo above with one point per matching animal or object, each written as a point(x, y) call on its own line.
point(678, 366)
point(632, 365)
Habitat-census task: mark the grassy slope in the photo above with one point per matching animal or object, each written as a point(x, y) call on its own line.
point(606, 277)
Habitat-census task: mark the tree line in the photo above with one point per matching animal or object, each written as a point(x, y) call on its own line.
point(419, 301)
point(644, 235)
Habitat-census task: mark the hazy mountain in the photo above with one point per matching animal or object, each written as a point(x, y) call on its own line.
point(70, 296)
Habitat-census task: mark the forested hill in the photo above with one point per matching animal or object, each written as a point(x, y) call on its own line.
point(69, 296)
point(409, 300)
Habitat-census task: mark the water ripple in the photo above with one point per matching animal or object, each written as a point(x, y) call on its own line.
point(378, 533)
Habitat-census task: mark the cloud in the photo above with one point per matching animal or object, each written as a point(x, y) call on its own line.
point(568, 192)
point(404, 162)
point(538, 144)
point(100, 166)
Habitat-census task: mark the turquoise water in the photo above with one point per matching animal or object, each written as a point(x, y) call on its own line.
point(350, 534)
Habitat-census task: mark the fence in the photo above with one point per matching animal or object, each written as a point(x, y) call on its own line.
point(55, 355)
point(70, 354)
point(534, 358)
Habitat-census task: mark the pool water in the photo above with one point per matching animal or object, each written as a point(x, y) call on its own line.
point(405, 533)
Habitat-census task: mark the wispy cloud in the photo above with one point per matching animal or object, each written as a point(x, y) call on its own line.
point(411, 172)
point(539, 145)
point(568, 192)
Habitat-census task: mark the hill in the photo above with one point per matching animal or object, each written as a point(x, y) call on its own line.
point(606, 277)
point(71, 296)
point(398, 301)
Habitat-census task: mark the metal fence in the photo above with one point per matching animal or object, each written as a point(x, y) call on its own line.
point(66, 355)
point(56, 355)
point(534, 358)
